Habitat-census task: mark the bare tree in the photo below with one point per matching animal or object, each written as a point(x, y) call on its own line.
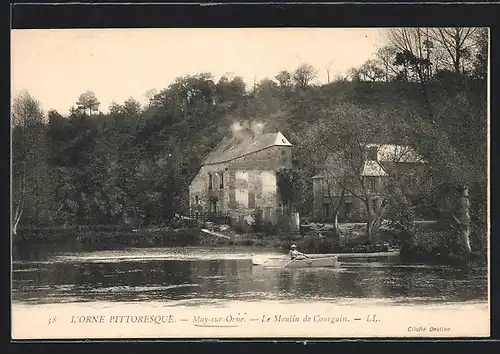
point(150, 95)
point(456, 42)
point(411, 44)
point(451, 150)
point(371, 71)
point(353, 74)
point(386, 56)
point(30, 171)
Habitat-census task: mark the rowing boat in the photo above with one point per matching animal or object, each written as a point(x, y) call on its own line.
point(341, 256)
point(286, 262)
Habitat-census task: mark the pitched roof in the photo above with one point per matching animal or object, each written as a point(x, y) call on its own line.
point(231, 148)
point(396, 153)
point(385, 153)
point(370, 169)
point(373, 169)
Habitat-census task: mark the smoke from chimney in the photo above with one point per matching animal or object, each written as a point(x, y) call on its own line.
point(236, 128)
point(239, 130)
point(257, 128)
point(246, 129)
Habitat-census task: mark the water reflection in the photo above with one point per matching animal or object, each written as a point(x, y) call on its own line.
point(229, 275)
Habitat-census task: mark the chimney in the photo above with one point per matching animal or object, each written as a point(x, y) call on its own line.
point(372, 153)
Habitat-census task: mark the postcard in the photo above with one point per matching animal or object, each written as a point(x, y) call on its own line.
point(255, 182)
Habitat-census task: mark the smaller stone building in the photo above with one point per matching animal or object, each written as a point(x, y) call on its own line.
point(380, 163)
point(239, 177)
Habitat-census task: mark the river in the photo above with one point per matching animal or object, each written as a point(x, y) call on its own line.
point(197, 292)
point(199, 275)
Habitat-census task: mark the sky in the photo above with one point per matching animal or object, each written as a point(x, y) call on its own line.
point(56, 66)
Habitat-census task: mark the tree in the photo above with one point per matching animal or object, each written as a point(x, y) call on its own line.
point(284, 79)
point(267, 98)
point(88, 101)
point(132, 108)
point(480, 59)
point(456, 43)
point(353, 74)
point(115, 109)
point(230, 93)
point(386, 56)
point(150, 95)
point(370, 71)
point(450, 151)
point(31, 190)
point(338, 146)
point(303, 75)
point(413, 53)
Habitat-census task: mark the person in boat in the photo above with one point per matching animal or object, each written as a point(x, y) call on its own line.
point(294, 254)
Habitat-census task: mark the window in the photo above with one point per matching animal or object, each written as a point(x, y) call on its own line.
point(197, 200)
point(251, 199)
point(213, 206)
point(372, 183)
point(410, 181)
point(348, 208)
point(210, 181)
point(268, 179)
point(267, 213)
point(241, 197)
point(221, 181)
point(325, 188)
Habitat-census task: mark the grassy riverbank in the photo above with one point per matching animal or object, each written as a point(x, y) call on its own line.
point(185, 236)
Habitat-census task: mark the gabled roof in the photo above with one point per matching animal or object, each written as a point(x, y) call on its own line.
point(370, 169)
point(373, 169)
point(386, 153)
point(396, 153)
point(232, 148)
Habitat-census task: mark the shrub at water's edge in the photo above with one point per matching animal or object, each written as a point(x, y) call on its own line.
point(439, 244)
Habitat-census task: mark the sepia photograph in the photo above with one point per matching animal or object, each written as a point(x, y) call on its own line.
point(250, 182)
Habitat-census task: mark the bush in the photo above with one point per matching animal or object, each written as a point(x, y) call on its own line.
point(220, 220)
point(283, 223)
point(261, 225)
point(242, 227)
point(312, 244)
point(400, 217)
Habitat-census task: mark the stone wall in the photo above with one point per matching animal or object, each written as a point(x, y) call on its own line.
point(250, 182)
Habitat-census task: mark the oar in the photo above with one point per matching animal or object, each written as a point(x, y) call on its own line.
point(295, 259)
point(288, 263)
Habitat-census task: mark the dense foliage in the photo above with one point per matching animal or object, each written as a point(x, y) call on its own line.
point(133, 165)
